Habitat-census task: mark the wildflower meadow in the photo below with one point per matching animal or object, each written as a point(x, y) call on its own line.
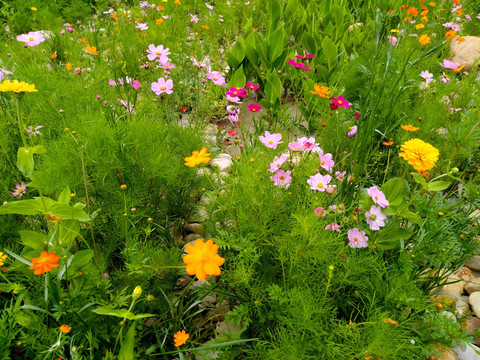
point(219, 179)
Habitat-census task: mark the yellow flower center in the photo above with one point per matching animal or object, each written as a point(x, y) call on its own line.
point(323, 162)
point(20, 191)
point(158, 52)
point(234, 93)
point(320, 185)
point(270, 142)
point(355, 238)
point(278, 165)
point(163, 88)
point(31, 38)
point(339, 102)
point(215, 78)
point(376, 197)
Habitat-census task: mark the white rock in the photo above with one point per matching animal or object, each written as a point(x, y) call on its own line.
point(474, 301)
point(470, 352)
point(466, 53)
point(223, 161)
point(472, 286)
point(473, 263)
point(462, 307)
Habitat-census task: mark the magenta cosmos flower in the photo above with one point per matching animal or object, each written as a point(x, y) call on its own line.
point(320, 212)
point(162, 86)
point(236, 92)
point(282, 178)
point(340, 101)
point(158, 52)
point(307, 143)
point(378, 197)
point(271, 140)
point(333, 227)
point(251, 86)
point(254, 107)
point(352, 132)
point(19, 190)
point(375, 218)
point(32, 38)
point(277, 162)
point(319, 182)
point(357, 238)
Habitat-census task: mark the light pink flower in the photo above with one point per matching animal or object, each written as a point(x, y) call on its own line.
point(162, 86)
point(340, 175)
point(233, 99)
point(32, 38)
point(326, 161)
point(142, 26)
point(158, 52)
point(333, 227)
point(352, 132)
point(135, 84)
point(307, 143)
point(427, 76)
point(357, 238)
point(393, 40)
point(128, 106)
point(277, 163)
point(319, 182)
point(271, 140)
point(209, 6)
point(296, 146)
point(375, 218)
point(282, 178)
point(378, 197)
point(19, 190)
point(447, 64)
point(193, 18)
point(216, 77)
point(320, 212)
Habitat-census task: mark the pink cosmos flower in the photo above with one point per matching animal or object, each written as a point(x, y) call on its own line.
point(375, 218)
point(251, 86)
point(158, 52)
point(19, 190)
point(307, 143)
point(162, 86)
point(427, 76)
point(308, 56)
point(340, 175)
point(326, 161)
point(378, 197)
point(444, 79)
point(271, 140)
point(233, 99)
point(294, 63)
point(447, 64)
point(320, 212)
point(167, 66)
point(277, 163)
point(209, 6)
point(296, 146)
point(254, 107)
point(142, 26)
point(31, 131)
point(135, 84)
point(357, 115)
point(393, 40)
point(282, 178)
point(193, 18)
point(236, 92)
point(112, 82)
point(333, 227)
point(216, 77)
point(352, 132)
point(128, 106)
point(357, 238)
point(319, 182)
point(32, 38)
point(340, 101)
point(4, 72)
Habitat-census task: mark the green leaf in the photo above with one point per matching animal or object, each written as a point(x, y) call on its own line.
point(419, 179)
point(309, 42)
point(126, 351)
point(394, 191)
point(236, 55)
point(23, 207)
point(250, 51)
point(438, 185)
point(64, 196)
point(81, 258)
point(290, 10)
point(25, 161)
point(121, 313)
point(38, 149)
point(276, 44)
point(338, 14)
point(390, 238)
point(238, 79)
point(415, 218)
point(275, 12)
point(11, 287)
point(273, 88)
point(33, 239)
point(330, 51)
point(69, 212)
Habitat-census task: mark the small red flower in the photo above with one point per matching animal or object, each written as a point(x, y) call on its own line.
point(232, 132)
point(184, 108)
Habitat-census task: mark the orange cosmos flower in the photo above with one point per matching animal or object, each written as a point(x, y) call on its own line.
point(82, 40)
point(68, 66)
point(202, 259)
point(205, 27)
point(53, 56)
point(159, 21)
point(403, 7)
point(450, 34)
point(321, 91)
point(198, 157)
point(432, 4)
point(409, 127)
point(389, 143)
point(92, 50)
point(460, 39)
point(65, 329)
point(180, 338)
point(413, 11)
point(160, 8)
point(424, 19)
point(177, 2)
point(45, 263)
point(424, 39)
point(390, 11)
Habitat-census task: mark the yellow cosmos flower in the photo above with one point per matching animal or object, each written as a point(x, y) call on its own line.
point(421, 155)
point(17, 86)
point(2, 258)
point(198, 157)
point(424, 39)
point(409, 127)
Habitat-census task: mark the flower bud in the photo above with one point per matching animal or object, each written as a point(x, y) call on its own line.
point(137, 292)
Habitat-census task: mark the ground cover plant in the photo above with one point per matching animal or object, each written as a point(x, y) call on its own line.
point(268, 179)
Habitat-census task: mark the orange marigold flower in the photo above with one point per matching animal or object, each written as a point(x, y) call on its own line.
point(198, 157)
point(159, 21)
point(65, 329)
point(451, 34)
point(202, 259)
point(407, 19)
point(160, 8)
point(180, 338)
point(424, 19)
point(424, 13)
point(388, 143)
point(456, 2)
point(409, 127)
point(205, 27)
point(424, 39)
point(421, 155)
point(413, 11)
point(460, 39)
point(403, 7)
point(45, 263)
point(92, 50)
point(53, 56)
point(321, 91)
point(82, 40)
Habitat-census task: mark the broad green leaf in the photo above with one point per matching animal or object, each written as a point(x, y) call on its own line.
point(81, 258)
point(121, 313)
point(250, 51)
point(438, 185)
point(11, 287)
point(126, 351)
point(394, 191)
point(275, 12)
point(64, 196)
point(273, 88)
point(236, 55)
point(238, 79)
point(276, 44)
point(25, 161)
point(390, 238)
point(330, 51)
point(290, 10)
point(338, 15)
point(38, 149)
point(419, 179)
point(309, 42)
point(69, 212)
point(33, 239)
point(415, 218)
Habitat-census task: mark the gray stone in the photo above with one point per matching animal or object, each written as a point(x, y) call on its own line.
point(223, 162)
point(474, 301)
point(195, 228)
point(470, 352)
point(473, 263)
point(466, 53)
point(472, 286)
point(462, 307)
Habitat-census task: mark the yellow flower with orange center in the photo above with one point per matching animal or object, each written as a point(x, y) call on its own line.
point(202, 259)
point(321, 91)
point(409, 127)
point(198, 157)
point(421, 155)
point(17, 86)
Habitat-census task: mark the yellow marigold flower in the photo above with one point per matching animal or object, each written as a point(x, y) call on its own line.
point(421, 155)
point(202, 259)
point(17, 86)
point(65, 329)
point(180, 338)
point(2, 258)
point(321, 91)
point(394, 30)
point(419, 26)
point(409, 127)
point(198, 157)
point(424, 39)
